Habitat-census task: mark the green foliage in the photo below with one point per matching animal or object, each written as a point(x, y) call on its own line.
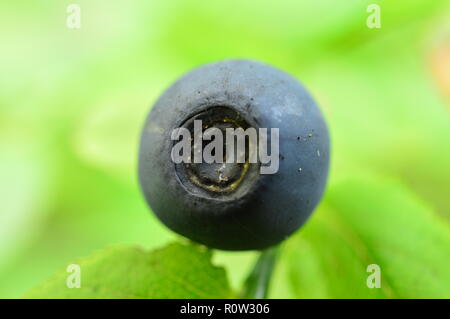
point(176, 271)
point(365, 222)
point(72, 103)
point(361, 222)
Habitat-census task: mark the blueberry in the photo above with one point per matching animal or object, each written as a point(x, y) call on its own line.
point(233, 206)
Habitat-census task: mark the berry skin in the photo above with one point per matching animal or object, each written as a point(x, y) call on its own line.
point(241, 209)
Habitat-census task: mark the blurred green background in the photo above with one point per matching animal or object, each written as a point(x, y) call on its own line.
point(73, 101)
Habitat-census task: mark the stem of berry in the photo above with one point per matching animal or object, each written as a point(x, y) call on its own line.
point(257, 284)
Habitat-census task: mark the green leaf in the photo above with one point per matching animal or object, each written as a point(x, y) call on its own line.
point(365, 222)
point(176, 271)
